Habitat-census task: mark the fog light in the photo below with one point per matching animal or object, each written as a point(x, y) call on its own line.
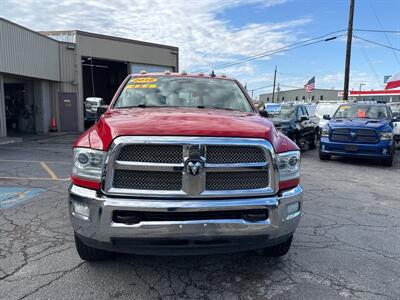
point(323, 147)
point(293, 210)
point(80, 210)
point(384, 151)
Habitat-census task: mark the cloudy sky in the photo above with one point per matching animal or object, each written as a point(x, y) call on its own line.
point(210, 33)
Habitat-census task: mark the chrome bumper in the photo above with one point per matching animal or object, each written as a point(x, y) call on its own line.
point(100, 227)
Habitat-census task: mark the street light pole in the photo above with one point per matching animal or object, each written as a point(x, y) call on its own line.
point(359, 93)
point(348, 52)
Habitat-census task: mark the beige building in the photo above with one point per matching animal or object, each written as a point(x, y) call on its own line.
point(301, 95)
point(48, 75)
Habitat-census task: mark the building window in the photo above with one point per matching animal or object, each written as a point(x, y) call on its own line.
point(321, 97)
point(304, 98)
point(283, 98)
point(312, 98)
point(267, 99)
point(297, 98)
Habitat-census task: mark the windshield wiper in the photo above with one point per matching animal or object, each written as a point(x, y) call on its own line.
point(216, 107)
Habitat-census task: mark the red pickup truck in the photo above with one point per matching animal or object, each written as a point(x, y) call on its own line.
point(183, 164)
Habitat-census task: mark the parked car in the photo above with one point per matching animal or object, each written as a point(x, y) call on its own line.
point(183, 164)
point(359, 130)
point(272, 109)
point(91, 105)
point(395, 107)
point(326, 108)
point(295, 122)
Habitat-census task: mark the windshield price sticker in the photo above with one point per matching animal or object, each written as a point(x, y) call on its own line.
point(141, 86)
point(361, 113)
point(143, 80)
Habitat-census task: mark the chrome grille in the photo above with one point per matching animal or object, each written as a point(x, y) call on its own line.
point(190, 167)
point(148, 180)
point(219, 181)
point(151, 153)
point(220, 154)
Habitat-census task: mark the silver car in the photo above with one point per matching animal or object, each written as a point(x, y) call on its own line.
point(395, 107)
point(326, 108)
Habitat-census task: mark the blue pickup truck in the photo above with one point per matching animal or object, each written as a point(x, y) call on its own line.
point(359, 130)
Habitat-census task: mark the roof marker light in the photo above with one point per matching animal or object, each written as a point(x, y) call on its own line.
point(143, 72)
point(167, 72)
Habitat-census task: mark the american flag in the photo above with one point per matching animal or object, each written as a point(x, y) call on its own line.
point(310, 85)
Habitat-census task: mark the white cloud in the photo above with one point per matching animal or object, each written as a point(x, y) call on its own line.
point(193, 26)
point(356, 77)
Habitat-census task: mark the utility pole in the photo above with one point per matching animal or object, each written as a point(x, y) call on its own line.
point(273, 89)
point(348, 52)
point(277, 93)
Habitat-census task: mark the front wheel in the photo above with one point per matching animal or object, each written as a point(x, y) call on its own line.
point(89, 253)
point(278, 250)
point(314, 143)
point(324, 156)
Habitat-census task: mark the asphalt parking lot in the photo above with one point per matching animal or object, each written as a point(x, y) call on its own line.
point(347, 245)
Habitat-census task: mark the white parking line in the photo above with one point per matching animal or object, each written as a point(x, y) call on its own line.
point(35, 178)
point(35, 161)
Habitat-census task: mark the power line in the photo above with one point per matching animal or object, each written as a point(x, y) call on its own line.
point(376, 43)
point(296, 45)
point(380, 24)
point(260, 88)
point(371, 66)
point(378, 31)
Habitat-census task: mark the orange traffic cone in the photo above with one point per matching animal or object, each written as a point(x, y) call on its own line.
point(53, 125)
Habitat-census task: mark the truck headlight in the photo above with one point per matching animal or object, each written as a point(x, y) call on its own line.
point(289, 165)
point(387, 135)
point(88, 163)
point(325, 132)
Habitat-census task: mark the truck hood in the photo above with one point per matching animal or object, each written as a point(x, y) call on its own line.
point(358, 123)
point(281, 122)
point(181, 122)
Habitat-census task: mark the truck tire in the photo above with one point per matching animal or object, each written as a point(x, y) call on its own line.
point(388, 161)
point(278, 250)
point(89, 253)
point(314, 143)
point(324, 156)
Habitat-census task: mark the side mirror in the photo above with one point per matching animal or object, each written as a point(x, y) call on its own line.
point(263, 113)
point(303, 118)
point(101, 110)
point(326, 117)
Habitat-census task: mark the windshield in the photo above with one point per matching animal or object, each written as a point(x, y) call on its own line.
point(171, 91)
point(395, 108)
point(362, 112)
point(287, 113)
point(326, 109)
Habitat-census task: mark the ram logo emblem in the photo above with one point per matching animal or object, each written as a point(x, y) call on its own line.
point(194, 167)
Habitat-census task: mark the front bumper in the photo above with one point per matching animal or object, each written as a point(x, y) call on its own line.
point(382, 149)
point(183, 237)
